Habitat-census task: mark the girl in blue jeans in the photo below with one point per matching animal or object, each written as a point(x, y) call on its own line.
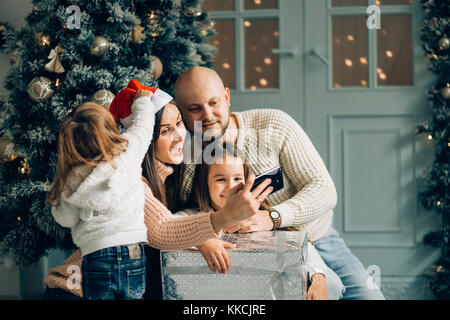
point(98, 193)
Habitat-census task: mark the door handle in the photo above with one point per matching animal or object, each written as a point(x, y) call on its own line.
point(316, 53)
point(286, 52)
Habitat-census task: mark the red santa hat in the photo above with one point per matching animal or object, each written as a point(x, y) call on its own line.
point(121, 105)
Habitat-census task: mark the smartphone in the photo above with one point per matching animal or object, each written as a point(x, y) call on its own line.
point(276, 174)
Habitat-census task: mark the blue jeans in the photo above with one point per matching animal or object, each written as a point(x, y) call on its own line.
point(116, 273)
point(340, 259)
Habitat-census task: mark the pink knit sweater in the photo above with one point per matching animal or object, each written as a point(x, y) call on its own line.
point(164, 231)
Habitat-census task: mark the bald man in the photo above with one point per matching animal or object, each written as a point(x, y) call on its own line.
point(268, 138)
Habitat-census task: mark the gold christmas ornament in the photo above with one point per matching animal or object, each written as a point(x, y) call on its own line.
point(55, 63)
point(446, 92)
point(99, 46)
point(137, 34)
point(7, 153)
point(156, 68)
point(40, 89)
point(103, 98)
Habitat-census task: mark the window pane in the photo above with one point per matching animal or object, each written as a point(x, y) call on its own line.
point(224, 61)
point(350, 52)
point(348, 3)
point(394, 2)
point(395, 51)
point(260, 4)
point(218, 5)
point(261, 66)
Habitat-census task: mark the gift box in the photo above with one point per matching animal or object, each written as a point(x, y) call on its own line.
point(268, 265)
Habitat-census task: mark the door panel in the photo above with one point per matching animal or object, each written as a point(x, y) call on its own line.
point(359, 94)
point(361, 115)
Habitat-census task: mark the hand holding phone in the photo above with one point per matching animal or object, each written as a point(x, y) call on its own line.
point(275, 174)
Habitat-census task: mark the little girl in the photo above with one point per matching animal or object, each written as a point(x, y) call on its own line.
point(211, 186)
point(98, 193)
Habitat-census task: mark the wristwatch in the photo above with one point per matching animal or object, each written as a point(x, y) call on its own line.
point(276, 218)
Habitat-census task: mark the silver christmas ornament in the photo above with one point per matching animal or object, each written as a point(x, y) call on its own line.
point(99, 46)
point(446, 92)
point(40, 88)
point(156, 68)
point(103, 98)
point(444, 43)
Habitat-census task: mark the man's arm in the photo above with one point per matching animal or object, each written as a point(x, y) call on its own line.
point(304, 167)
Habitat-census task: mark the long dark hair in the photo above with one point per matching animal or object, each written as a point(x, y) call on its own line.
point(166, 193)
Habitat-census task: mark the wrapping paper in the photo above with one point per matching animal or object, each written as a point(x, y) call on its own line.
point(269, 265)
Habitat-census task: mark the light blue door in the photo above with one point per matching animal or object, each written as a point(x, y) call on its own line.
point(359, 94)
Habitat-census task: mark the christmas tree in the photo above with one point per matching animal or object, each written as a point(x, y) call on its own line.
point(435, 194)
point(70, 52)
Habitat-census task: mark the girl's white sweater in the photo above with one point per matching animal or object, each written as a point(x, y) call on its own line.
point(104, 206)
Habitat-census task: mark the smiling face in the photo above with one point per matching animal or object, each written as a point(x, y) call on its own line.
point(222, 177)
point(204, 102)
point(169, 146)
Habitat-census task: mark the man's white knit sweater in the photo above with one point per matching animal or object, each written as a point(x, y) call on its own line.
point(268, 138)
point(104, 207)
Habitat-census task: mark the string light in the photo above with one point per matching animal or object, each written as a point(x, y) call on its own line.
point(363, 60)
point(247, 24)
point(438, 203)
point(348, 62)
point(430, 137)
point(13, 157)
point(350, 37)
point(267, 61)
point(45, 40)
point(389, 54)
